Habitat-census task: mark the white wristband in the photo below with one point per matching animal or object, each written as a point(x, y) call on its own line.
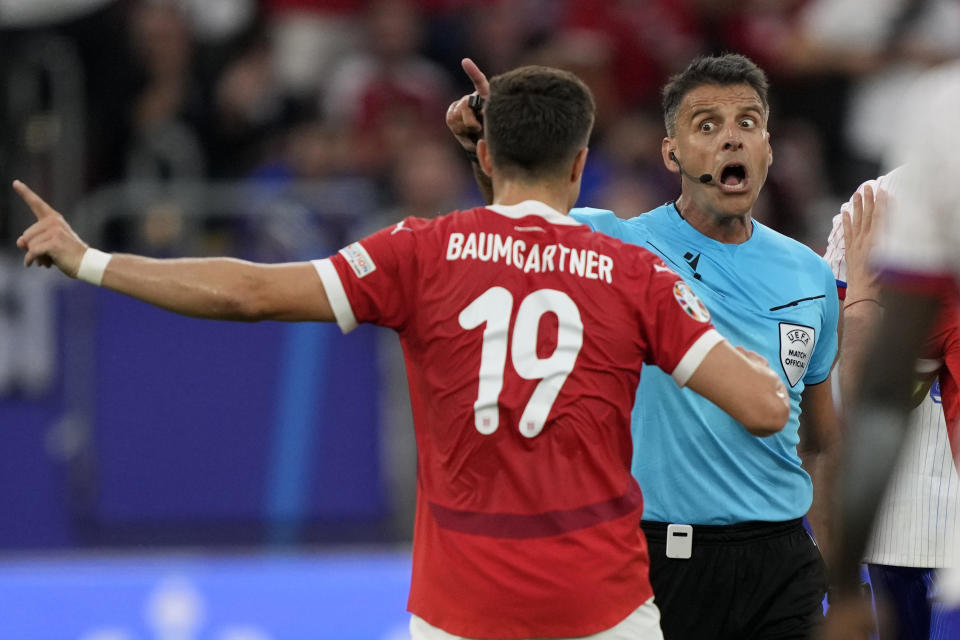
point(92, 266)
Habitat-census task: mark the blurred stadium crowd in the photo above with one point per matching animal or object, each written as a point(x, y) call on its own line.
point(303, 124)
point(270, 92)
point(279, 130)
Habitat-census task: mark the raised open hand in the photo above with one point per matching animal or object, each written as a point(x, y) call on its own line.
point(859, 226)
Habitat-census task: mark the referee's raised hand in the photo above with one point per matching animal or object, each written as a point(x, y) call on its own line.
point(461, 118)
point(50, 240)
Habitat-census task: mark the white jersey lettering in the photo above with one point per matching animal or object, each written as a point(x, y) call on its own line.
point(501, 247)
point(454, 246)
point(533, 260)
point(563, 255)
point(548, 252)
point(518, 248)
point(546, 258)
point(606, 268)
point(470, 247)
point(485, 247)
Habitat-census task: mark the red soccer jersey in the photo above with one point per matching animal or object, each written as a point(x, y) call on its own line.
point(945, 346)
point(524, 334)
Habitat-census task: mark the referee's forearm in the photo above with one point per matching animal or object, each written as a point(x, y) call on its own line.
point(819, 449)
point(823, 467)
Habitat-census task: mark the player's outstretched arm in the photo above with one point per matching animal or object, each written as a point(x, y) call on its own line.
point(219, 288)
point(742, 383)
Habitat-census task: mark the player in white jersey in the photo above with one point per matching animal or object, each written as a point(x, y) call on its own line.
point(926, 245)
point(918, 526)
point(917, 254)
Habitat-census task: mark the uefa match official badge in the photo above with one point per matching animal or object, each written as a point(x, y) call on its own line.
point(689, 302)
point(796, 347)
point(358, 259)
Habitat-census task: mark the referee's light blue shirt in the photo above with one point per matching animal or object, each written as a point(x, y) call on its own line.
point(770, 294)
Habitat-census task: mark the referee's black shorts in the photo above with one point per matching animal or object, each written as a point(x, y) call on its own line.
point(750, 581)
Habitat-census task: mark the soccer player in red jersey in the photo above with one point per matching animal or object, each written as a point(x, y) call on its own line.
point(524, 335)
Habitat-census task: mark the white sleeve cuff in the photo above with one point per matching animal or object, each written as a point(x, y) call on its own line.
point(337, 296)
point(928, 365)
point(695, 355)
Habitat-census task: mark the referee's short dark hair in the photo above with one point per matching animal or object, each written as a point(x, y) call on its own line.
point(536, 120)
point(725, 70)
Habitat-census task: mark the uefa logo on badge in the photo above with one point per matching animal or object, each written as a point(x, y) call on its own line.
point(796, 348)
point(689, 302)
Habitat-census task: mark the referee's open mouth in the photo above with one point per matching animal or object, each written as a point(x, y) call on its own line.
point(733, 178)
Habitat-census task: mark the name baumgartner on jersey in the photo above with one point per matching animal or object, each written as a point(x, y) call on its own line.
point(537, 258)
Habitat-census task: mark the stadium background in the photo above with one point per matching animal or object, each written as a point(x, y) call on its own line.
point(162, 477)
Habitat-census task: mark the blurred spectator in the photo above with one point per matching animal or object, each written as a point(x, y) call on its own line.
point(645, 41)
point(310, 150)
point(28, 342)
point(292, 217)
point(796, 200)
point(308, 37)
point(497, 33)
point(389, 96)
point(430, 179)
point(50, 113)
point(635, 179)
point(169, 101)
point(760, 29)
point(248, 108)
point(217, 21)
point(853, 37)
point(155, 127)
point(35, 13)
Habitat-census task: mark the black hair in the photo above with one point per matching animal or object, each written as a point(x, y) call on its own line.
point(725, 70)
point(536, 120)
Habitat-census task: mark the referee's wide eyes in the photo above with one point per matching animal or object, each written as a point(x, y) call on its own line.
point(707, 126)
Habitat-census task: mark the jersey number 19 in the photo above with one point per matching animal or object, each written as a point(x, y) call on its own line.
point(493, 308)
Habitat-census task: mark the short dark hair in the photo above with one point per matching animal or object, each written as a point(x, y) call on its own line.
point(536, 120)
point(725, 70)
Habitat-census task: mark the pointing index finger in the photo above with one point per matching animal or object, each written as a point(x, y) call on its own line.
point(476, 76)
point(39, 207)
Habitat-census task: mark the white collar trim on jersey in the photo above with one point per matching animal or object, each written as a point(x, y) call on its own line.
point(532, 208)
